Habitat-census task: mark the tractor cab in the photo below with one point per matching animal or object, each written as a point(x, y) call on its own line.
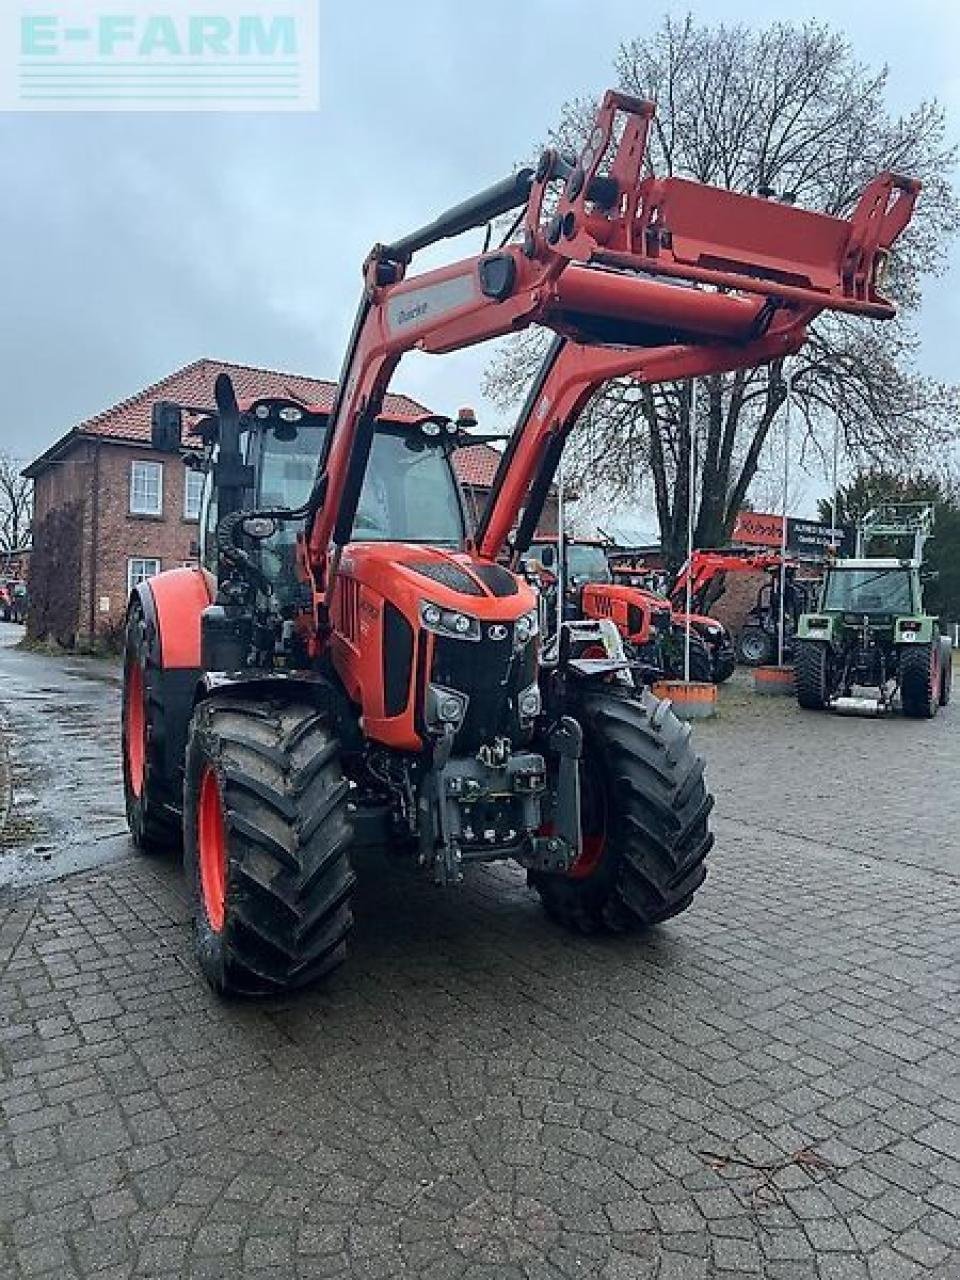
point(878, 589)
point(410, 492)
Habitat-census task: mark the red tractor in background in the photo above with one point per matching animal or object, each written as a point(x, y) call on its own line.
point(651, 632)
point(347, 651)
point(713, 658)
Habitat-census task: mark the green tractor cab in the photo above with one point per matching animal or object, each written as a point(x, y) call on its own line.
point(870, 644)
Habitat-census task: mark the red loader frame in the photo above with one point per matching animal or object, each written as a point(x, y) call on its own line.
point(600, 269)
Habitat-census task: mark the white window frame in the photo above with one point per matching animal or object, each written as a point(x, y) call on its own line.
point(144, 510)
point(198, 478)
point(134, 577)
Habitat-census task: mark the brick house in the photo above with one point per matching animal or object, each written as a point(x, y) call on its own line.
point(109, 510)
point(15, 564)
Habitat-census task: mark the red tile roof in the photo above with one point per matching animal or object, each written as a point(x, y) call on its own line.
point(477, 465)
point(129, 421)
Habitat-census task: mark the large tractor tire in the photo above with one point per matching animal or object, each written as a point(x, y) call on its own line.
point(724, 666)
point(755, 647)
point(267, 836)
point(151, 805)
point(701, 664)
point(921, 670)
point(812, 674)
point(644, 819)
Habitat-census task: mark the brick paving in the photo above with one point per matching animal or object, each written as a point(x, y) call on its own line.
point(768, 1086)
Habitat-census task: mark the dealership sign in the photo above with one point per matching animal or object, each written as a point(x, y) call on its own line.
point(808, 539)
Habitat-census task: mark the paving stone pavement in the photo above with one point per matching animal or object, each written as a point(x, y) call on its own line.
point(767, 1086)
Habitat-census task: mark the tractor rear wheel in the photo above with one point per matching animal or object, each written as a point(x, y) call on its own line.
point(812, 674)
point(644, 819)
point(266, 843)
point(920, 676)
point(152, 808)
point(755, 647)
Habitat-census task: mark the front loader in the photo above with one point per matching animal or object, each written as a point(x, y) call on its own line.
point(347, 648)
point(706, 574)
point(870, 631)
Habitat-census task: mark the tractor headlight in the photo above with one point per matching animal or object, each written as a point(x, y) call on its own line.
point(448, 622)
point(526, 627)
point(444, 707)
point(529, 704)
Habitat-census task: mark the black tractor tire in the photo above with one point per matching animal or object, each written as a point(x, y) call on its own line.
point(701, 663)
point(920, 676)
point(724, 666)
point(755, 647)
point(267, 836)
point(645, 803)
point(812, 674)
point(152, 807)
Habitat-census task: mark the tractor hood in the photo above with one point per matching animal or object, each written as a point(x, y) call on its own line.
point(451, 579)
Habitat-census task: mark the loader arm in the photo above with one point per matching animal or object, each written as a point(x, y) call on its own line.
point(704, 567)
point(685, 279)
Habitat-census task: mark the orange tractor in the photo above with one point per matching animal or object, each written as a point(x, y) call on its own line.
point(346, 650)
point(652, 633)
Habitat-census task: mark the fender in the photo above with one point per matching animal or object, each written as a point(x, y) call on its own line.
point(313, 686)
point(179, 597)
point(172, 603)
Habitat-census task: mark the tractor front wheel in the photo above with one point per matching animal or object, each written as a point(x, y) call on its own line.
point(701, 664)
point(152, 809)
point(644, 819)
point(920, 681)
point(812, 674)
point(266, 844)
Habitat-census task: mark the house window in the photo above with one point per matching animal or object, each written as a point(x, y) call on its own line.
point(139, 568)
point(192, 494)
point(146, 488)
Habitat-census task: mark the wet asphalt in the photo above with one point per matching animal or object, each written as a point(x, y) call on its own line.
point(61, 791)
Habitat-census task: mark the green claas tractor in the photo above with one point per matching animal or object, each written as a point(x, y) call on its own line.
point(871, 631)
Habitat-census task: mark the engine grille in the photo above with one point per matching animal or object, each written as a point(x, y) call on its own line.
point(491, 674)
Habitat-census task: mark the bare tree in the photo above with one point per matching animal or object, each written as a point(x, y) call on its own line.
point(16, 505)
point(786, 109)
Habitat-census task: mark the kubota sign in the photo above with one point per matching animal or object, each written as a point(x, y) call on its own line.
point(807, 538)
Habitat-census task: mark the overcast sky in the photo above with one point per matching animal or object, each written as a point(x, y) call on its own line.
point(132, 244)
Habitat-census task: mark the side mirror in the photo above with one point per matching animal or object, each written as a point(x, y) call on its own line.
point(166, 426)
point(548, 557)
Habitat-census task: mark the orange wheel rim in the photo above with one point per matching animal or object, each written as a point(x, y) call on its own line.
point(212, 846)
point(136, 728)
point(593, 826)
